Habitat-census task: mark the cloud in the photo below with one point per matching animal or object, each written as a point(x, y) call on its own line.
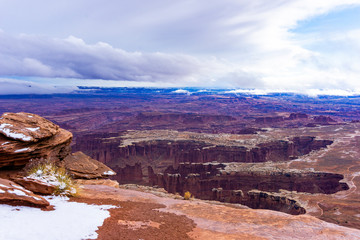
point(11, 86)
point(72, 57)
point(36, 56)
point(228, 43)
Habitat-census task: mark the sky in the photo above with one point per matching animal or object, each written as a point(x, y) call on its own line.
point(297, 45)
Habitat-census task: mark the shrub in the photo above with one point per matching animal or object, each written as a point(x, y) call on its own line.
point(187, 195)
point(49, 173)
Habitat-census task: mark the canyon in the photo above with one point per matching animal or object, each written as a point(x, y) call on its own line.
point(287, 153)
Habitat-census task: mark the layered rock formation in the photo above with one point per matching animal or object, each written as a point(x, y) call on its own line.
point(26, 127)
point(80, 165)
point(295, 116)
point(36, 186)
point(235, 183)
point(30, 139)
point(324, 119)
point(260, 200)
point(128, 174)
point(267, 120)
point(25, 136)
point(165, 150)
point(189, 118)
point(13, 194)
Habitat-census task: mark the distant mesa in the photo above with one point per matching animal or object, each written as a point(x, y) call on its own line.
point(294, 116)
point(323, 119)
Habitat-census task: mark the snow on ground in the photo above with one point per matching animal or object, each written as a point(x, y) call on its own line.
point(69, 220)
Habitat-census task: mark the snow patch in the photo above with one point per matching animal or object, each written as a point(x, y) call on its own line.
point(17, 186)
point(69, 220)
point(4, 143)
point(109, 173)
point(17, 192)
point(30, 116)
point(2, 191)
point(33, 129)
point(14, 135)
point(21, 150)
point(4, 186)
point(36, 198)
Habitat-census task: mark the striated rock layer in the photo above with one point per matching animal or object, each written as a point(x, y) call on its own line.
point(25, 136)
point(165, 150)
point(128, 174)
point(26, 127)
point(216, 181)
point(13, 194)
point(80, 165)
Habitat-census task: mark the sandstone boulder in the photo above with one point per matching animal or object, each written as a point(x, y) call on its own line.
point(26, 127)
point(13, 194)
point(80, 165)
point(25, 136)
point(36, 186)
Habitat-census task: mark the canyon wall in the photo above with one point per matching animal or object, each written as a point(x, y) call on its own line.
point(162, 153)
point(211, 181)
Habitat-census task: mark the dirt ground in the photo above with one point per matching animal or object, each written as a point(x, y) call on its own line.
point(143, 215)
point(136, 220)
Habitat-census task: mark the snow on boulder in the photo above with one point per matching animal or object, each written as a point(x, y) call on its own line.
point(36, 185)
point(26, 127)
point(13, 194)
point(80, 165)
point(25, 136)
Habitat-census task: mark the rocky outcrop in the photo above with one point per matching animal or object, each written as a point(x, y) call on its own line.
point(199, 179)
point(202, 179)
point(36, 186)
point(250, 131)
point(13, 194)
point(323, 120)
point(259, 200)
point(267, 120)
point(80, 165)
point(26, 136)
point(296, 116)
point(26, 127)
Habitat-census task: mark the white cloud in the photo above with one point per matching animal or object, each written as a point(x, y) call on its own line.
point(35, 56)
point(175, 43)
